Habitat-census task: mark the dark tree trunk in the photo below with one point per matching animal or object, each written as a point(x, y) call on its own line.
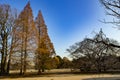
point(39, 71)
point(43, 69)
point(25, 63)
point(2, 64)
point(21, 66)
point(8, 66)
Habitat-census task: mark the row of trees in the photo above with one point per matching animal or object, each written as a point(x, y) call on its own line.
point(57, 63)
point(25, 41)
point(22, 38)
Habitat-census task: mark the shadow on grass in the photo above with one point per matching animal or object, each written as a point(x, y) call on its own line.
point(104, 78)
point(34, 74)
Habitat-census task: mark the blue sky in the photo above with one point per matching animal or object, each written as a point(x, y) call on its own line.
point(69, 21)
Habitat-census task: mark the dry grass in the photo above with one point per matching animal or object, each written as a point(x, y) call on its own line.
point(62, 76)
point(70, 77)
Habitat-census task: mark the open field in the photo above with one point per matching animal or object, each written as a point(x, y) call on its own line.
point(69, 77)
point(61, 75)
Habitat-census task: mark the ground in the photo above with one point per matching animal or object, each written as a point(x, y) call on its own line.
point(54, 75)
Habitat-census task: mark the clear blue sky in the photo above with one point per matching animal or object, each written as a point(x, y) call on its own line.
point(69, 21)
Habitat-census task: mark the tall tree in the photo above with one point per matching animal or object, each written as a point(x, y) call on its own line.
point(44, 43)
point(7, 22)
point(13, 40)
point(27, 35)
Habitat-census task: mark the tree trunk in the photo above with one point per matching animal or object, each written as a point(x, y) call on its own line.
point(10, 54)
point(6, 54)
point(4, 57)
point(2, 64)
point(8, 67)
point(21, 66)
point(43, 69)
point(25, 62)
point(25, 53)
point(39, 71)
point(99, 67)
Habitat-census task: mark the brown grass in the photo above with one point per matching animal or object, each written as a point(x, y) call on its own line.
point(63, 74)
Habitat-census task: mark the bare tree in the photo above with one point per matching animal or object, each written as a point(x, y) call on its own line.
point(94, 50)
point(13, 40)
point(113, 9)
point(7, 23)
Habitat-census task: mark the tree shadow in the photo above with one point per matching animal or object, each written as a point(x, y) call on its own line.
point(104, 78)
point(34, 74)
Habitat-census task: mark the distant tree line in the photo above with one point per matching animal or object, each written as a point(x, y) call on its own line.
point(58, 63)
